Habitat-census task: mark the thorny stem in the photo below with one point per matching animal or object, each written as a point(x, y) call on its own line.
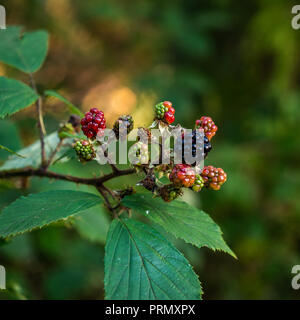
point(41, 124)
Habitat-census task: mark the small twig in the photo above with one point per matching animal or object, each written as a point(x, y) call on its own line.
point(54, 152)
point(41, 124)
point(111, 192)
point(101, 190)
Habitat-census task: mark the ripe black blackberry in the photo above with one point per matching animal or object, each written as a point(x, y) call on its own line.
point(207, 146)
point(188, 148)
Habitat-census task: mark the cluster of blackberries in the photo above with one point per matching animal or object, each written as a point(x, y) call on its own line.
point(184, 175)
point(84, 150)
point(180, 175)
point(93, 123)
point(164, 111)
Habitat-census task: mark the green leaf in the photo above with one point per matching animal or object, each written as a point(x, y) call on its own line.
point(182, 220)
point(14, 96)
point(93, 224)
point(32, 154)
point(39, 210)
point(10, 151)
point(26, 51)
point(9, 137)
point(140, 264)
point(72, 108)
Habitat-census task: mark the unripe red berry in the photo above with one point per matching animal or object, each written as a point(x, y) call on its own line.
point(172, 110)
point(93, 123)
point(183, 175)
point(213, 177)
point(207, 124)
point(169, 117)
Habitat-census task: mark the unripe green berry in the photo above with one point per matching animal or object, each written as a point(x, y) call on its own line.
point(84, 150)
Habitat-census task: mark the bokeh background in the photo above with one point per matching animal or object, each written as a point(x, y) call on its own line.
point(236, 61)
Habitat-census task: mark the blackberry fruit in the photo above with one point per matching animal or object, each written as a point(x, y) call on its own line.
point(93, 123)
point(169, 117)
point(207, 124)
point(84, 150)
point(165, 112)
point(191, 149)
point(124, 121)
point(213, 177)
point(207, 146)
point(183, 175)
point(170, 192)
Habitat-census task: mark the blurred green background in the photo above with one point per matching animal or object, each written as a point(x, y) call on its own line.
point(236, 61)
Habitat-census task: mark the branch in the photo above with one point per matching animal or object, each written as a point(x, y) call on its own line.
point(29, 172)
point(41, 124)
point(96, 182)
point(114, 167)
